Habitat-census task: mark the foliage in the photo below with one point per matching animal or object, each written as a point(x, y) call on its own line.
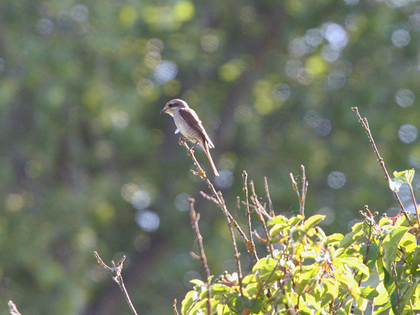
point(376, 265)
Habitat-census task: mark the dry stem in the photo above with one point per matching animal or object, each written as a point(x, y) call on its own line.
point(365, 124)
point(195, 217)
point(217, 196)
point(115, 272)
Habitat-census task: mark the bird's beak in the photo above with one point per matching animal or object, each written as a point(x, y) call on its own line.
point(163, 110)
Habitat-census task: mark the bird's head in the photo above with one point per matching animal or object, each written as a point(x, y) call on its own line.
point(172, 106)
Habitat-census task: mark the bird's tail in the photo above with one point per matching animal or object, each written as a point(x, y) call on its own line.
point(206, 149)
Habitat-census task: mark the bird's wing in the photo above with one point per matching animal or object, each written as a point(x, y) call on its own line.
point(192, 120)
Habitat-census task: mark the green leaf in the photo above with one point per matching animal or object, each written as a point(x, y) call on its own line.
point(293, 221)
point(415, 263)
point(369, 293)
point(331, 291)
point(350, 238)
point(252, 278)
point(352, 262)
point(187, 302)
point(383, 297)
point(404, 177)
point(390, 245)
point(265, 268)
point(399, 303)
point(334, 239)
point(280, 219)
point(347, 309)
point(312, 221)
point(277, 228)
point(347, 280)
point(372, 255)
point(197, 282)
point(219, 288)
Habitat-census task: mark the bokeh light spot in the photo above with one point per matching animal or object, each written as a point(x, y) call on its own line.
point(336, 35)
point(165, 71)
point(79, 13)
point(128, 15)
point(210, 43)
point(336, 180)
point(400, 38)
point(337, 79)
point(281, 92)
point(405, 98)
point(44, 26)
point(329, 53)
point(184, 11)
point(315, 120)
point(407, 133)
point(120, 119)
point(181, 202)
point(313, 37)
point(225, 180)
point(147, 220)
point(15, 202)
point(141, 200)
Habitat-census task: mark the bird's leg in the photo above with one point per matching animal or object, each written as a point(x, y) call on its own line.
point(190, 150)
point(182, 140)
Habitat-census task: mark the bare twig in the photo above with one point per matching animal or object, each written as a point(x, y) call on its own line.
point(12, 308)
point(250, 245)
point(195, 217)
point(267, 192)
point(238, 206)
point(302, 194)
point(260, 210)
point(115, 272)
point(175, 309)
point(217, 196)
point(365, 124)
point(416, 208)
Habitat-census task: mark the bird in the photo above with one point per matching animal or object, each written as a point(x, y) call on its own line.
point(190, 126)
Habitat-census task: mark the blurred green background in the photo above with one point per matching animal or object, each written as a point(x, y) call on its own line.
point(87, 163)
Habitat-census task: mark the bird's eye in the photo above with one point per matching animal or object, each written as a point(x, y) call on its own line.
point(171, 105)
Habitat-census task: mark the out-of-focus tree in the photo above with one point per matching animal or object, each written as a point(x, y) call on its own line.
point(88, 164)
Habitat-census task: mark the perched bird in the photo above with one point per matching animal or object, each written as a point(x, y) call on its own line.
point(190, 126)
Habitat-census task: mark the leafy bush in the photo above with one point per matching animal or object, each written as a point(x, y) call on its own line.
point(375, 266)
point(374, 269)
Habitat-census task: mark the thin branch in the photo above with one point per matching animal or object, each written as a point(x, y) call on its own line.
point(416, 208)
point(236, 254)
point(238, 206)
point(267, 192)
point(302, 194)
point(175, 308)
point(365, 125)
point(250, 244)
point(195, 217)
point(259, 209)
point(115, 272)
point(218, 198)
point(12, 308)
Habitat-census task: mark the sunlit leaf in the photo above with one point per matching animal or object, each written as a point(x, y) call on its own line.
point(350, 238)
point(404, 177)
point(390, 245)
point(369, 293)
point(312, 221)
